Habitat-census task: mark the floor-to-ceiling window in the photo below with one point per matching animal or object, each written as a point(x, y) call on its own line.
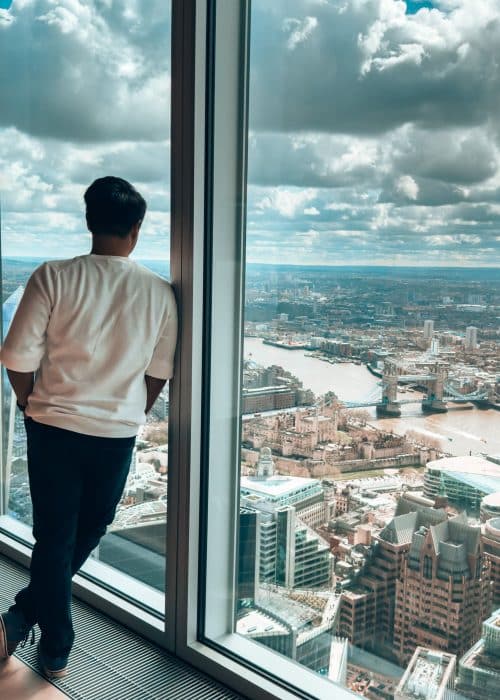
point(85, 92)
point(363, 420)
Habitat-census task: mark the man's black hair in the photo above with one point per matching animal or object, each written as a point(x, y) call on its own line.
point(113, 207)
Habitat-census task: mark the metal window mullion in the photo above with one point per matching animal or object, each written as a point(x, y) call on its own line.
point(226, 185)
point(181, 254)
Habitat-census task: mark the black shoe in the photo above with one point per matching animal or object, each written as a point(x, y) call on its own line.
point(14, 630)
point(52, 666)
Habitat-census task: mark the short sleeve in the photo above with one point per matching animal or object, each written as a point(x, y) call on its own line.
point(161, 365)
point(24, 345)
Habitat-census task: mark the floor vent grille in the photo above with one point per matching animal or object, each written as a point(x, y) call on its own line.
point(109, 662)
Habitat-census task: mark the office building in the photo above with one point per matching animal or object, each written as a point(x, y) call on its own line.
point(471, 338)
point(491, 544)
point(465, 480)
point(267, 487)
point(13, 438)
point(267, 398)
point(430, 676)
point(298, 625)
point(490, 507)
point(367, 613)
point(426, 584)
point(248, 559)
point(479, 668)
point(287, 551)
point(428, 329)
point(443, 593)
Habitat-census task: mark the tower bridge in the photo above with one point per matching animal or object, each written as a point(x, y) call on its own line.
point(438, 392)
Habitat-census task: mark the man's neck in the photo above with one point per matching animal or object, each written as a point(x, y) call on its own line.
point(110, 245)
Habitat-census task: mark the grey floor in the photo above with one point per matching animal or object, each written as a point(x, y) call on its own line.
point(108, 662)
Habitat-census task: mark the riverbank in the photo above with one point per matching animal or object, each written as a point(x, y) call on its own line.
point(458, 432)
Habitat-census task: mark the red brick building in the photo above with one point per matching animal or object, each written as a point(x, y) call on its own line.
point(443, 592)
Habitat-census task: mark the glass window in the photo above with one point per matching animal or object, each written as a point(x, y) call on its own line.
point(86, 93)
point(368, 384)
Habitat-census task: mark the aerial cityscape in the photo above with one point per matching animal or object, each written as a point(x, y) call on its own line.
point(370, 495)
point(370, 475)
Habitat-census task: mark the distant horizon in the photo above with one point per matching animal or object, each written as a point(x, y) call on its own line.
point(296, 265)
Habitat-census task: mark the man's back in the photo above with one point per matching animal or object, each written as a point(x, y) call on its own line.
point(89, 350)
point(98, 324)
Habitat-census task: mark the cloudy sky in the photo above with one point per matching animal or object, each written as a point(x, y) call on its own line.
point(375, 126)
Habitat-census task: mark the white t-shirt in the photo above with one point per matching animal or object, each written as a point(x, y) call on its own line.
point(91, 328)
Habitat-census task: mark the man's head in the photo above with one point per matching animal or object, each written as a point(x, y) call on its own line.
point(114, 208)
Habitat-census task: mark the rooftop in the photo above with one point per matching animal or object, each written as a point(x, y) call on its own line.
point(280, 606)
point(427, 675)
point(492, 500)
point(256, 624)
point(477, 472)
point(278, 486)
point(479, 659)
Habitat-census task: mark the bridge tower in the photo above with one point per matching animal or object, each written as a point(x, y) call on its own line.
point(433, 402)
point(389, 405)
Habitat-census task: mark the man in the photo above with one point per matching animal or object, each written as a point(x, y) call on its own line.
point(89, 350)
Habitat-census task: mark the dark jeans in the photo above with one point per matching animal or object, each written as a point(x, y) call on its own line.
point(76, 482)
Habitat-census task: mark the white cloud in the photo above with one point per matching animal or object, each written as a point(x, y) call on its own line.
point(299, 31)
point(286, 202)
point(83, 71)
point(375, 134)
point(407, 186)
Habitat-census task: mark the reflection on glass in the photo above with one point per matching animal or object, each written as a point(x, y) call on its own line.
point(369, 540)
point(136, 541)
point(87, 94)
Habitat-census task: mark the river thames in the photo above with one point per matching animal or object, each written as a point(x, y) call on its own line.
point(460, 431)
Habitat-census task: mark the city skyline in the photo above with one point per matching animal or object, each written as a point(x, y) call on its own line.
point(374, 139)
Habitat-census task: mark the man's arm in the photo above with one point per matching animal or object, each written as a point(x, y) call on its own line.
point(22, 383)
point(24, 345)
point(153, 386)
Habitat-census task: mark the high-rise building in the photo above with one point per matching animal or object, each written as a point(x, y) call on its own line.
point(367, 611)
point(479, 668)
point(287, 551)
point(12, 442)
point(277, 490)
point(290, 554)
point(430, 676)
point(248, 560)
point(427, 584)
point(298, 625)
point(443, 592)
point(466, 480)
point(471, 338)
point(491, 544)
point(435, 346)
point(428, 329)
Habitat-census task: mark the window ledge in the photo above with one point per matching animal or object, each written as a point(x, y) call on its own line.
point(271, 663)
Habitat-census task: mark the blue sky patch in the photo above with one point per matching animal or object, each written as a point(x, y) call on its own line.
point(413, 6)
point(5, 4)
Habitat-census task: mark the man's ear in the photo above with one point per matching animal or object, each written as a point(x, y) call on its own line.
point(134, 234)
point(135, 230)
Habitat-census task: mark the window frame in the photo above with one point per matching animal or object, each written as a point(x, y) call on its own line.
point(205, 627)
